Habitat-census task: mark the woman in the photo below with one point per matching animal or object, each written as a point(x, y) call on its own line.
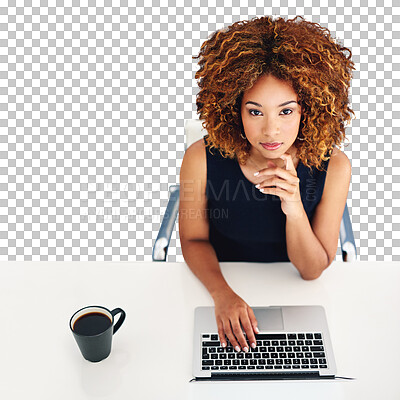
point(267, 183)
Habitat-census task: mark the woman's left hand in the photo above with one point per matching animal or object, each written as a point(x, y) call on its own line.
point(282, 182)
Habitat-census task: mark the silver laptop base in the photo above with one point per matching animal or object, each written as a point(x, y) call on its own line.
point(263, 376)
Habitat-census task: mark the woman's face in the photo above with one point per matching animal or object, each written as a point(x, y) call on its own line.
point(271, 118)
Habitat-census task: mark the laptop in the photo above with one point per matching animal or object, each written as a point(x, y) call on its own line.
point(293, 343)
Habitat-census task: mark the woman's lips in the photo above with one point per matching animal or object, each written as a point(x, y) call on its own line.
point(271, 146)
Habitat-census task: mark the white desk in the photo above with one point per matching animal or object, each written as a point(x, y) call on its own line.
point(40, 359)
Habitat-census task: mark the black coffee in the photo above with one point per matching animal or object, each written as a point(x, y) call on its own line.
point(92, 324)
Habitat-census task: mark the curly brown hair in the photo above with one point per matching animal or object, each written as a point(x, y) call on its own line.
point(301, 53)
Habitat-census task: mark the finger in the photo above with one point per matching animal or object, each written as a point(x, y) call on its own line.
point(290, 176)
point(253, 320)
point(237, 330)
point(288, 161)
point(221, 333)
point(282, 194)
point(286, 186)
point(289, 186)
point(270, 165)
point(248, 328)
point(231, 336)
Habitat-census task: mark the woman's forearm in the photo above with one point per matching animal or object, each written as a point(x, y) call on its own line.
point(304, 249)
point(201, 258)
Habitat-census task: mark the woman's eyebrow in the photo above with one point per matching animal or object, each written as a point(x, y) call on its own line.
point(280, 105)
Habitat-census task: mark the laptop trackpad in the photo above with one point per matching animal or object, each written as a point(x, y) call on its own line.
point(269, 318)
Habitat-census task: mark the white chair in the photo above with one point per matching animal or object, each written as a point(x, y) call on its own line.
point(193, 132)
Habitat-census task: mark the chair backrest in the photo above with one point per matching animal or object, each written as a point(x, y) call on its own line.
point(193, 131)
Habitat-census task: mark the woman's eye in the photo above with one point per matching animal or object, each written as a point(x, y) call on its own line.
point(286, 111)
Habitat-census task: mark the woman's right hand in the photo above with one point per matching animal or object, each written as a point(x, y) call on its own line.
point(232, 313)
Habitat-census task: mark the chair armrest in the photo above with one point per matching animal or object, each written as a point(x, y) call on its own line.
point(347, 243)
point(161, 244)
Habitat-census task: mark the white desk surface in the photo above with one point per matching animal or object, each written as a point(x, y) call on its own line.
point(152, 352)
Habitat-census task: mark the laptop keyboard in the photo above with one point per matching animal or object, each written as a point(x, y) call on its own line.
point(274, 351)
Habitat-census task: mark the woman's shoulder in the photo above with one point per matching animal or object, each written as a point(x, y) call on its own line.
point(196, 150)
point(339, 164)
point(194, 160)
point(338, 175)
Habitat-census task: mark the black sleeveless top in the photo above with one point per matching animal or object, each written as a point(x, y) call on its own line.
point(245, 224)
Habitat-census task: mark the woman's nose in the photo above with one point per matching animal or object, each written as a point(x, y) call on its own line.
point(270, 127)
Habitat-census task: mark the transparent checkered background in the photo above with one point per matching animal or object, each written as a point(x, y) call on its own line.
point(93, 99)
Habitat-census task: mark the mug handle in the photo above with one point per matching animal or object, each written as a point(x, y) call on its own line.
point(120, 320)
